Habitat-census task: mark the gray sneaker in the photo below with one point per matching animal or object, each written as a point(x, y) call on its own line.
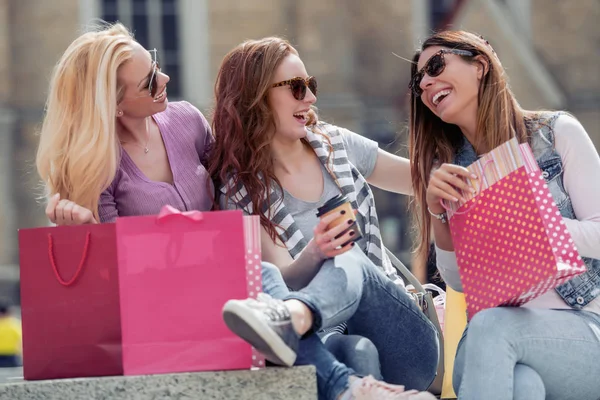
point(266, 324)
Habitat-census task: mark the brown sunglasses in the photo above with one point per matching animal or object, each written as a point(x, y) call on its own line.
point(298, 86)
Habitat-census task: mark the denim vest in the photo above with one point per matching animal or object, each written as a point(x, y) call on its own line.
point(582, 289)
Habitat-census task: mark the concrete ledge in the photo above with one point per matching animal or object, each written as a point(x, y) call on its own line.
point(298, 383)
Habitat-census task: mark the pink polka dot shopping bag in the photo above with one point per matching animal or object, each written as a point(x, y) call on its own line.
point(510, 240)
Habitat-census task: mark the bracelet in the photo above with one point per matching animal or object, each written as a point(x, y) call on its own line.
point(442, 217)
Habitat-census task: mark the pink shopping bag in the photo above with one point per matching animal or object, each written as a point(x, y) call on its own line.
point(70, 302)
point(176, 271)
point(141, 296)
point(510, 240)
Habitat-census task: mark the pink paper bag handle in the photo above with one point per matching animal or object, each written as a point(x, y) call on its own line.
point(488, 162)
point(168, 212)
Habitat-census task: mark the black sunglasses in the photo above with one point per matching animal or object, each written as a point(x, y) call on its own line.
point(434, 67)
point(299, 85)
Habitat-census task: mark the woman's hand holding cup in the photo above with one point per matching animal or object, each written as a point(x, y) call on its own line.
point(336, 240)
point(337, 229)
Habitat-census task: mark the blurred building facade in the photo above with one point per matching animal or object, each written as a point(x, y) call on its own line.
point(549, 47)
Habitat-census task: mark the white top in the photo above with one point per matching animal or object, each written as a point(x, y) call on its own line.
point(581, 169)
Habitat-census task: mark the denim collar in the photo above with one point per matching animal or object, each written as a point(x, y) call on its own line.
point(466, 154)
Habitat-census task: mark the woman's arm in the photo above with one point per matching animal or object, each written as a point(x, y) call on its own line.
point(299, 272)
point(380, 168)
point(581, 166)
point(107, 207)
point(391, 173)
point(448, 267)
point(296, 273)
point(443, 185)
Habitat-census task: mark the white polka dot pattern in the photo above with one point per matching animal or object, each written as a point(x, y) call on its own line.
point(509, 247)
point(253, 270)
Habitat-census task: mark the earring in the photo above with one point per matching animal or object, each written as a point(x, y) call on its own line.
point(119, 113)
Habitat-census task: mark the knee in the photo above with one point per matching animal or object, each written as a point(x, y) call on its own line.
point(270, 273)
point(272, 281)
point(343, 346)
point(364, 348)
point(528, 384)
point(366, 358)
point(347, 269)
point(357, 352)
point(268, 268)
point(493, 324)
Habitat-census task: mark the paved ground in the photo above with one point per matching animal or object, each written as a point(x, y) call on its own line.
point(8, 375)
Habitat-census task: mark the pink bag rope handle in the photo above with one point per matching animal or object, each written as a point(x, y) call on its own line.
point(168, 212)
point(86, 247)
point(476, 194)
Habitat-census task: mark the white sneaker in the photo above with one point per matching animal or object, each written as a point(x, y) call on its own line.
point(266, 324)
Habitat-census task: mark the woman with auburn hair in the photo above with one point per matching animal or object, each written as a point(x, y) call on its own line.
point(111, 144)
point(462, 107)
point(273, 158)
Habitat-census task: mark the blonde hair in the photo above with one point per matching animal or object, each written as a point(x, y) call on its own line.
point(432, 141)
point(79, 151)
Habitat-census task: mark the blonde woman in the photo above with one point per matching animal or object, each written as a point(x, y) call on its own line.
point(111, 144)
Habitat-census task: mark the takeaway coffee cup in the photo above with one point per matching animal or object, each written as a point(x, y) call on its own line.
point(336, 205)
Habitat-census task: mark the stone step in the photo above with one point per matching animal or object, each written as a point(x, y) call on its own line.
point(297, 383)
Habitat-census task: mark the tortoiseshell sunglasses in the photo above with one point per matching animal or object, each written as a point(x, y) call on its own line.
point(299, 85)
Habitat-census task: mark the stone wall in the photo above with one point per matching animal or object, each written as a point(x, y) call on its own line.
point(565, 38)
point(566, 35)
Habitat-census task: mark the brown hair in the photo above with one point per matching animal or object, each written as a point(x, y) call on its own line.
point(432, 141)
point(243, 123)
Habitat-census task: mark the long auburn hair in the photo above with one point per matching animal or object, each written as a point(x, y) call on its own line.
point(78, 152)
point(433, 142)
point(244, 125)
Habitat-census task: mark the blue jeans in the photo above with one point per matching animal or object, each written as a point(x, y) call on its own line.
point(332, 375)
point(351, 288)
point(356, 352)
point(529, 354)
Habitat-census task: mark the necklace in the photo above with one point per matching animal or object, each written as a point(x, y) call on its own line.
point(145, 147)
point(146, 150)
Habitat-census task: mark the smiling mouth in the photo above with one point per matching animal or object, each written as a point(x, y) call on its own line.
point(441, 95)
point(161, 96)
point(301, 117)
